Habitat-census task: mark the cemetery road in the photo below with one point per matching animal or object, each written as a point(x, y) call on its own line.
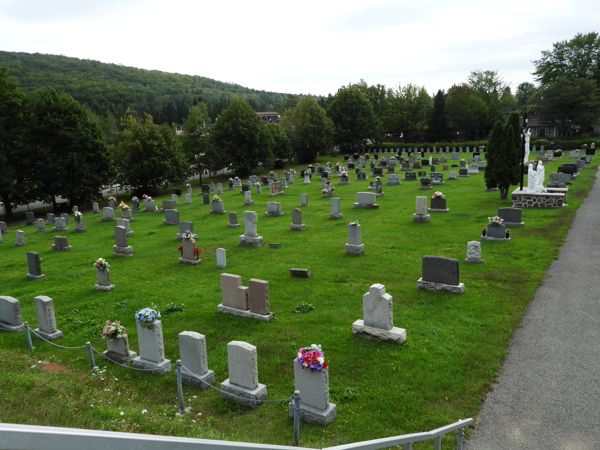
point(548, 391)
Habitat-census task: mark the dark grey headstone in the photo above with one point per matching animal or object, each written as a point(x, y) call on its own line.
point(463, 171)
point(512, 215)
point(186, 226)
point(439, 269)
point(205, 188)
point(205, 198)
point(422, 173)
point(177, 192)
point(301, 273)
point(33, 264)
point(496, 230)
point(410, 176)
point(438, 203)
point(377, 171)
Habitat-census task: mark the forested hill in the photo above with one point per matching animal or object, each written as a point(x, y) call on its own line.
point(112, 88)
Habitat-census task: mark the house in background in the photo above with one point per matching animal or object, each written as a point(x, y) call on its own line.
point(266, 117)
point(542, 127)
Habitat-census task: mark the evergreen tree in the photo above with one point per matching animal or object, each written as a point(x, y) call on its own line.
point(514, 121)
point(494, 147)
point(437, 121)
point(504, 160)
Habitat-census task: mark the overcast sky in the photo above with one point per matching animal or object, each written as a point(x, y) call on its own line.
point(302, 47)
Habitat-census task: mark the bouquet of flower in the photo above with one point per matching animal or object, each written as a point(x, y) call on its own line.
point(77, 214)
point(378, 178)
point(145, 197)
point(257, 183)
point(312, 358)
point(197, 252)
point(135, 199)
point(437, 194)
point(230, 179)
point(215, 198)
point(147, 315)
point(101, 264)
point(188, 185)
point(495, 219)
point(113, 329)
point(353, 222)
point(188, 234)
point(111, 198)
point(271, 173)
point(337, 164)
point(344, 173)
point(325, 191)
point(180, 248)
point(123, 206)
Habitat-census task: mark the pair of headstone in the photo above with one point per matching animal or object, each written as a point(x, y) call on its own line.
point(251, 301)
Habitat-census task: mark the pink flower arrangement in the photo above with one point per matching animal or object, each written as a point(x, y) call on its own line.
point(312, 357)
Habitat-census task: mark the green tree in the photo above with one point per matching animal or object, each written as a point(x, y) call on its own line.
point(406, 112)
point(195, 139)
point(504, 160)
point(354, 120)
point(309, 129)
point(377, 95)
point(437, 120)
point(68, 155)
point(514, 120)
point(524, 93)
point(148, 156)
point(466, 110)
point(577, 58)
point(277, 141)
point(13, 153)
point(239, 134)
point(575, 103)
point(492, 89)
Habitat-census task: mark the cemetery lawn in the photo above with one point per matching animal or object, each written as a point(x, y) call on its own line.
point(455, 343)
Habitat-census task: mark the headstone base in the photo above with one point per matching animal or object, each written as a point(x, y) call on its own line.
point(187, 203)
point(489, 238)
point(135, 209)
point(150, 209)
point(395, 335)
point(336, 216)
point(474, 261)
point(103, 287)
point(366, 205)
point(63, 229)
point(201, 381)
point(438, 210)
point(275, 195)
point(394, 183)
point(354, 249)
point(248, 203)
point(379, 194)
point(68, 248)
point(421, 217)
point(230, 188)
point(161, 368)
point(309, 414)
point(95, 212)
point(123, 251)
point(49, 336)
point(218, 212)
point(118, 357)
point(437, 182)
point(431, 286)
point(17, 244)
point(463, 175)
point(296, 227)
point(9, 327)
point(40, 231)
point(191, 262)
point(301, 273)
point(36, 277)
point(244, 313)
point(170, 222)
point(308, 182)
point(344, 182)
point(79, 230)
point(233, 225)
point(426, 187)
point(256, 241)
point(108, 219)
point(514, 224)
point(273, 214)
point(242, 395)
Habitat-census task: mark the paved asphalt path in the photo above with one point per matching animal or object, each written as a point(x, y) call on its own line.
point(548, 391)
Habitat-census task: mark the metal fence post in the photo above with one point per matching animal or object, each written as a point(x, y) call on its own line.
point(179, 385)
point(459, 438)
point(91, 354)
point(27, 336)
point(296, 402)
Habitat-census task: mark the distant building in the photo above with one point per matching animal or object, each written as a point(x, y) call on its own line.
point(542, 127)
point(266, 117)
point(178, 129)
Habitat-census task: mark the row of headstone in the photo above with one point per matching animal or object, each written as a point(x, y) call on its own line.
point(11, 318)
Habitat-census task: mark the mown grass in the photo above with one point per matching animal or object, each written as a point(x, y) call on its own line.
point(455, 343)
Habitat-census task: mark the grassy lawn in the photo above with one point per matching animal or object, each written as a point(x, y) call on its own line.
point(455, 343)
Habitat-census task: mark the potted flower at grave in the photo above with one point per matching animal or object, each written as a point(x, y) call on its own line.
point(197, 252)
point(135, 202)
point(437, 194)
point(180, 248)
point(117, 342)
point(77, 215)
point(188, 235)
point(188, 185)
point(146, 316)
point(507, 233)
point(230, 182)
point(353, 223)
point(257, 183)
point(495, 219)
point(102, 272)
point(367, 156)
point(123, 206)
point(312, 358)
point(216, 199)
point(484, 231)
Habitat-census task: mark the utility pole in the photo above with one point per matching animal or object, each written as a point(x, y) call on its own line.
point(523, 147)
